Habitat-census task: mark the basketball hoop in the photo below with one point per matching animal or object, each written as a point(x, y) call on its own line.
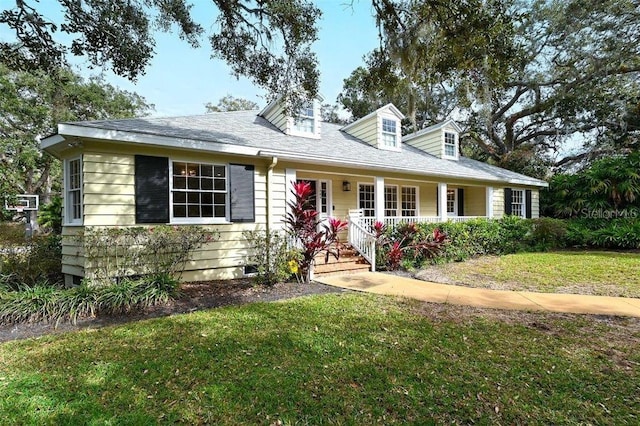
point(23, 202)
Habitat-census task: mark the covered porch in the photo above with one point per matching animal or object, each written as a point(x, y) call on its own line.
point(363, 200)
point(392, 200)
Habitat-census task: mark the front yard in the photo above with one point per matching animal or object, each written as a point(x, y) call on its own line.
point(581, 272)
point(330, 359)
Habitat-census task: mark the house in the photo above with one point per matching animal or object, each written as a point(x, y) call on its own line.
point(233, 170)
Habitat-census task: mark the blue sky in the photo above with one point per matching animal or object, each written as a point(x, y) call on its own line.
point(180, 79)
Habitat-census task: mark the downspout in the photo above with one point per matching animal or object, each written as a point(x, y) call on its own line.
point(274, 162)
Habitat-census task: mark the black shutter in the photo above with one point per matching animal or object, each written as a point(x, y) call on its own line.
point(438, 200)
point(242, 194)
point(460, 202)
point(527, 200)
point(152, 189)
point(507, 201)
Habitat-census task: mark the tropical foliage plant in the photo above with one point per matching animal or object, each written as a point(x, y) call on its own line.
point(405, 245)
point(608, 187)
point(308, 232)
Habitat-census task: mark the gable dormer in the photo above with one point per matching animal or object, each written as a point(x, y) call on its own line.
point(441, 140)
point(306, 123)
point(382, 128)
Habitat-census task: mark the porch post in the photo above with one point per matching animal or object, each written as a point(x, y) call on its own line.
point(379, 197)
point(442, 201)
point(489, 202)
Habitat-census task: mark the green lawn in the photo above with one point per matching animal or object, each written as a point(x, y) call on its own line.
point(332, 359)
point(585, 272)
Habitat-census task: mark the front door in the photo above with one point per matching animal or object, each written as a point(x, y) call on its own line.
point(321, 198)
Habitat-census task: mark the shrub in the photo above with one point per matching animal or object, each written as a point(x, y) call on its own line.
point(312, 236)
point(610, 184)
point(271, 255)
point(45, 303)
point(618, 233)
point(11, 234)
point(405, 246)
point(547, 233)
point(38, 260)
point(116, 253)
point(50, 215)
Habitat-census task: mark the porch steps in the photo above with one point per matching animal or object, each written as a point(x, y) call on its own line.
point(349, 262)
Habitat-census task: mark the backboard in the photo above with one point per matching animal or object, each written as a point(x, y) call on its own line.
point(23, 202)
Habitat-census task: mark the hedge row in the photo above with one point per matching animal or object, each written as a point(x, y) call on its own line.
point(511, 234)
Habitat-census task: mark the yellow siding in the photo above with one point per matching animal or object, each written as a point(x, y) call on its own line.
point(366, 130)
point(429, 142)
point(535, 203)
point(428, 199)
point(277, 117)
point(498, 202)
point(109, 200)
point(72, 253)
point(475, 201)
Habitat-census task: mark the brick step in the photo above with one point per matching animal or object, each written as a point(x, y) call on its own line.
point(341, 269)
point(342, 259)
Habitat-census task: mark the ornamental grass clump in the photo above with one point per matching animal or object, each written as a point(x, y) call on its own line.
point(50, 304)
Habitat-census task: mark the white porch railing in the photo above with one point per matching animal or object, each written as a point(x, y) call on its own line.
point(392, 221)
point(362, 240)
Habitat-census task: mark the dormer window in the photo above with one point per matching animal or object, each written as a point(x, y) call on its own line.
point(450, 146)
point(389, 134)
point(305, 121)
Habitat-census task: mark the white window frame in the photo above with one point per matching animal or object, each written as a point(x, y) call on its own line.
point(69, 220)
point(303, 116)
point(394, 133)
point(455, 201)
point(373, 208)
point(445, 144)
point(397, 209)
point(522, 203)
point(417, 195)
point(199, 220)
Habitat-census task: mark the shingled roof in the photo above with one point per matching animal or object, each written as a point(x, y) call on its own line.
point(254, 135)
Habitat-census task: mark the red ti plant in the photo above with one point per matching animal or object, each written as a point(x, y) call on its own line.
point(312, 236)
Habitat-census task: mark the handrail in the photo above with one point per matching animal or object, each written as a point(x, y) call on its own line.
point(363, 241)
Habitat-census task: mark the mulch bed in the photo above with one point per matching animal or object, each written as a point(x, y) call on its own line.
point(195, 296)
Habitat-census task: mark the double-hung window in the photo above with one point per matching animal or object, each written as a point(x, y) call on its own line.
point(305, 121)
point(73, 191)
point(409, 201)
point(450, 146)
point(390, 200)
point(389, 135)
point(199, 191)
point(517, 202)
point(451, 202)
point(366, 199)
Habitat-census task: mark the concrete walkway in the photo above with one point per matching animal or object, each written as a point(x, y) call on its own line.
point(375, 282)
